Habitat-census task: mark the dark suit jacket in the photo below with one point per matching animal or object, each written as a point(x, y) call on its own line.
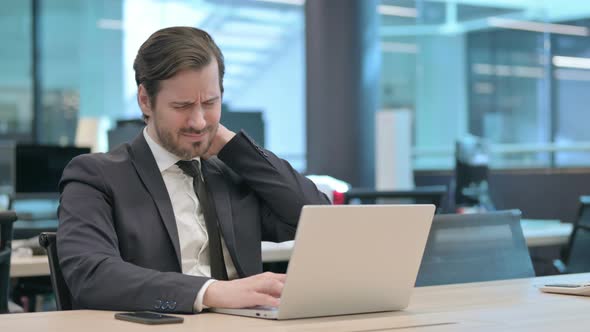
point(117, 239)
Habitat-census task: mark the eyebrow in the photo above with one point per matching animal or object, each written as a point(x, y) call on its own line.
point(182, 103)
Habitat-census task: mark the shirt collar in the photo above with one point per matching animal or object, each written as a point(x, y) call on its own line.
point(164, 158)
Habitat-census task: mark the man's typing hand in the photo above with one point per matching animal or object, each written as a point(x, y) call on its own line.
point(262, 289)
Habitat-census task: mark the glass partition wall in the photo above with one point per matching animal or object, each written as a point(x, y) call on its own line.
point(516, 73)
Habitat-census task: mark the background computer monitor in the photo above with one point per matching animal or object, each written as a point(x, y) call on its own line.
point(251, 122)
point(38, 168)
point(124, 132)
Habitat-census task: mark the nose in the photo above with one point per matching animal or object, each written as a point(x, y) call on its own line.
point(197, 119)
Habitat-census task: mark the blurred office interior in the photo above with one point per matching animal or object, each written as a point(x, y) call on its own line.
point(512, 72)
point(316, 80)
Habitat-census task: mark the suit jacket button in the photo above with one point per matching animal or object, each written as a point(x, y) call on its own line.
point(172, 305)
point(158, 304)
point(165, 305)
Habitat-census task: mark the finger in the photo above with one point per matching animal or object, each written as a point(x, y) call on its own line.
point(266, 300)
point(281, 277)
point(277, 276)
point(271, 287)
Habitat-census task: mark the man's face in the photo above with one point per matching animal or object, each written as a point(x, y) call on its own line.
point(185, 117)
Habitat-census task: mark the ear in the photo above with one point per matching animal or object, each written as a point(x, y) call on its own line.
point(143, 99)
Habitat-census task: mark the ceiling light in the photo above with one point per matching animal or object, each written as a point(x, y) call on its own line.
point(397, 11)
point(561, 29)
point(286, 2)
point(571, 62)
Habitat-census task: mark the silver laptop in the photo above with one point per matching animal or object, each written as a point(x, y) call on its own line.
point(350, 259)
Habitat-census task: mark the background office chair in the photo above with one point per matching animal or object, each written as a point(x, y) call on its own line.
point(577, 254)
point(471, 174)
point(6, 220)
point(63, 297)
point(475, 247)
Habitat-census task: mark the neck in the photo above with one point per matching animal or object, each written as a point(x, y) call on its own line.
point(151, 131)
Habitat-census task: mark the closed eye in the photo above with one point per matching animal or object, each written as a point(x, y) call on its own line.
point(211, 101)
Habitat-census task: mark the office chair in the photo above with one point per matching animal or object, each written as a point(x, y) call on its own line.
point(475, 247)
point(577, 257)
point(63, 297)
point(419, 195)
point(471, 174)
point(7, 218)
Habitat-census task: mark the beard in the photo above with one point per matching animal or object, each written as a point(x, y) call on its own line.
point(171, 141)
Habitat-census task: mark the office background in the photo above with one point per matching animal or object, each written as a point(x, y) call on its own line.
point(312, 78)
point(513, 72)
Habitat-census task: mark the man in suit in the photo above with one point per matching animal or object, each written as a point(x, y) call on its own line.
point(173, 220)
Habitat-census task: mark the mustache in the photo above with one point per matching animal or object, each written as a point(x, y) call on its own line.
point(194, 131)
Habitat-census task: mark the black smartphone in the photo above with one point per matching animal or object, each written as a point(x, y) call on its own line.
point(148, 317)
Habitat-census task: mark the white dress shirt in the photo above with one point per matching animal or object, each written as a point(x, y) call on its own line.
point(190, 221)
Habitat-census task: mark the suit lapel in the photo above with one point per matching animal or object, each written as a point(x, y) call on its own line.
point(150, 175)
point(219, 192)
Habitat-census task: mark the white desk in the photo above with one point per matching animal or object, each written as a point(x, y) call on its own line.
point(276, 252)
point(540, 233)
point(39, 266)
point(507, 305)
point(536, 232)
point(29, 266)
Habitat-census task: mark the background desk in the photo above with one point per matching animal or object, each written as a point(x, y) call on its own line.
point(509, 305)
point(29, 266)
point(540, 233)
point(39, 265)
point(537, 233)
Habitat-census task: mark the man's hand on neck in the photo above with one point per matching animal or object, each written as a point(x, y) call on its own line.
point(223, 136)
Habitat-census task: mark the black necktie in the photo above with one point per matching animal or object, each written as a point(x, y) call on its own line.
point(191, 168)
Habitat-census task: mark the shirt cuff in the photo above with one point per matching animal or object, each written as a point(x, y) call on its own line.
point(199, 306)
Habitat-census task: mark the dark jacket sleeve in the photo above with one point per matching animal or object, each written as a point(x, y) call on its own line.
point(88, 248)
point(282, 190)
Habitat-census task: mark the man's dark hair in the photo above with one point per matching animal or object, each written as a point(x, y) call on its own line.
point(171, 50)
